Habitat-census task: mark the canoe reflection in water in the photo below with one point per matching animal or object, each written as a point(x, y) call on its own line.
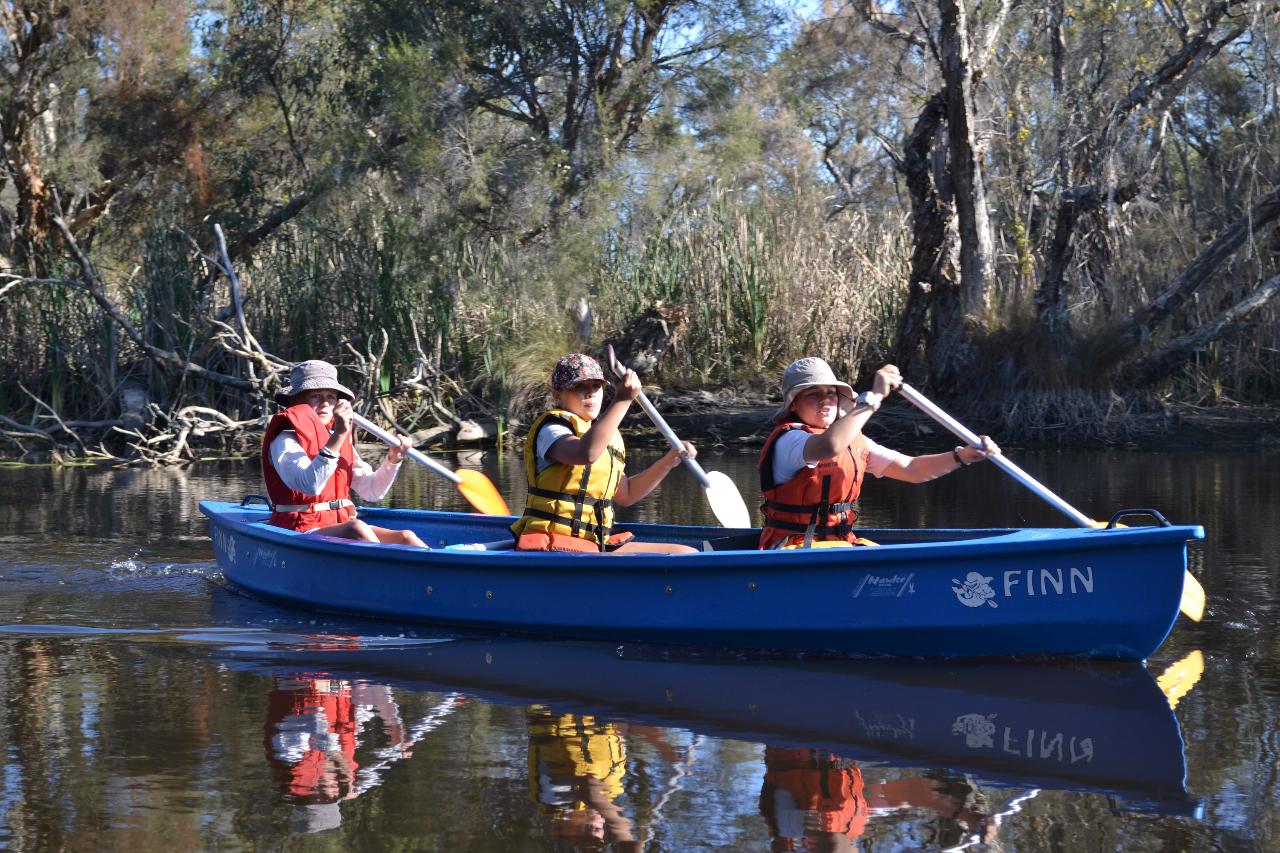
point(1018, 725)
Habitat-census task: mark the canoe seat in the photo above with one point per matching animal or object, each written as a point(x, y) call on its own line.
point(737, 542)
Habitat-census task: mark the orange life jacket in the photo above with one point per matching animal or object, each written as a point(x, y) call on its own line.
point(312, 435)
point(818, 503)
point(826, 785)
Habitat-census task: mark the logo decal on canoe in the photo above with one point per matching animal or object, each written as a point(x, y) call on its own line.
point(977, 730)
point(893, 586)
point(980, 731)
point(975, 591)
point(224, 542)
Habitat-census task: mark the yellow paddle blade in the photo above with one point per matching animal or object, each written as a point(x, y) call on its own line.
point(1192, 604)
point(481, 493)
point(1180, 676)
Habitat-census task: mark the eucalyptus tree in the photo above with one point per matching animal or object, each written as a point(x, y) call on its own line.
point(1035, 144)
point(527, 105)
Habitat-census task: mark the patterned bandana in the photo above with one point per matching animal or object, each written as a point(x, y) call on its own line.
point(574, 368)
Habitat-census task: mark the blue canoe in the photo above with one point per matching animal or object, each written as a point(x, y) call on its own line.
point(1111, 594)
point(1098, 727)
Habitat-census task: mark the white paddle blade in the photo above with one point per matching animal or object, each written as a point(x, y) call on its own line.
point(726, 502)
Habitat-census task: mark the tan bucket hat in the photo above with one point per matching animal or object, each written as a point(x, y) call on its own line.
point(312, 375)
point(806, 373)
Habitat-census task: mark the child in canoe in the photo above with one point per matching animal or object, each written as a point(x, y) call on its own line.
point(574, 460)
point(311, 466)
point(814, 461)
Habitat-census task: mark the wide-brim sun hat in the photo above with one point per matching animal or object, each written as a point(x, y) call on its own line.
point(806, 373)
point(574, 368)
point(312, 375)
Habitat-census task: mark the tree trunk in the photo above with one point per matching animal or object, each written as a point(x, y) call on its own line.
point(1094, 187)
point(966, 166)
point(934, 253)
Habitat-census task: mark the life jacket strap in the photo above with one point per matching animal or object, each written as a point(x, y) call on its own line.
point(801, 527)
point(322, 506)
point(809, 509)
point(597, 531)
point(595, 503)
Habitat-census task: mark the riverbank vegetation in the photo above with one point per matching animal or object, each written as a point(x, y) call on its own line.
point(1043, 213)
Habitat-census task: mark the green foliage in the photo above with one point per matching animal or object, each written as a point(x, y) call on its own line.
point(466, 172)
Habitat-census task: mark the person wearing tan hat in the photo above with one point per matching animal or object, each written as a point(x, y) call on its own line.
point(310, 463)
point(813, 463)
point(575, 462)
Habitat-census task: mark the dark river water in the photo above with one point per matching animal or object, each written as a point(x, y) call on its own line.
point(147, 706)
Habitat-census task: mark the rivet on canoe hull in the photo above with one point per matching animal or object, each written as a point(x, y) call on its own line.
point(488, 593)
point(431, 590)
point(668, 590)
point(751, 586)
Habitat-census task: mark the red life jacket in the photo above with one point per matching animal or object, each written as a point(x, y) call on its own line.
point(312, 435)
point(324, 769)
point(818, 503)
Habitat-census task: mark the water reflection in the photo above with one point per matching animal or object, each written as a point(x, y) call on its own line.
point(819, 801)
point(577, 767)
point(135, 713)
point(319, 728)
point(1104, 728)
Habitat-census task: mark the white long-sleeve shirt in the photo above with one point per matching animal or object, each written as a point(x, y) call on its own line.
point(308, 475)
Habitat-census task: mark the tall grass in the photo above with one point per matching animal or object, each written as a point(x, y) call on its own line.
point(764, 286)
point(763, 281)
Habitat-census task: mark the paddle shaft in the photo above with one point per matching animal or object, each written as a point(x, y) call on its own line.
point(672, 439)
point(413, 453)
point(962, 432)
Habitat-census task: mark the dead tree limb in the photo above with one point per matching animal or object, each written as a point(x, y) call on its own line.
point(1138, 328)
point(1164, 361)
point(167, 359)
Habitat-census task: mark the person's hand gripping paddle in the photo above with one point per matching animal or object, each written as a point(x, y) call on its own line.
point(478, 489)
point(726, 502)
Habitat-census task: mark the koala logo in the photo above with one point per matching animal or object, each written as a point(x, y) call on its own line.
point(975, 591)
point(976, 728)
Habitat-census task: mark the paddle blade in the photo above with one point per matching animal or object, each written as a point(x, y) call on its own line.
point(1176, 681)
point(1192, 604)
point(726, 502)
point(481, 493)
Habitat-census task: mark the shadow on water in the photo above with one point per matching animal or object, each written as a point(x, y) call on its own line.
point(146, 701)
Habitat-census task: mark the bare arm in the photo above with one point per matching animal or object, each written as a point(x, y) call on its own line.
point(922, 469)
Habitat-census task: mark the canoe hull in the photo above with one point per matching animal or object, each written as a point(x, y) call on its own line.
point(1050, 591)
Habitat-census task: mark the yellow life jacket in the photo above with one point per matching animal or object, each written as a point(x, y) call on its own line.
point(576, 500)
point(565, 749)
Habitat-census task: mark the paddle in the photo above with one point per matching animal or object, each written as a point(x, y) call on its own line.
point(1192, 603)
point(726, 502)
point(478, 489)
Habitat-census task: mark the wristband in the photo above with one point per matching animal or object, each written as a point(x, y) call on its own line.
point(327, 453)
point(955, 451)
